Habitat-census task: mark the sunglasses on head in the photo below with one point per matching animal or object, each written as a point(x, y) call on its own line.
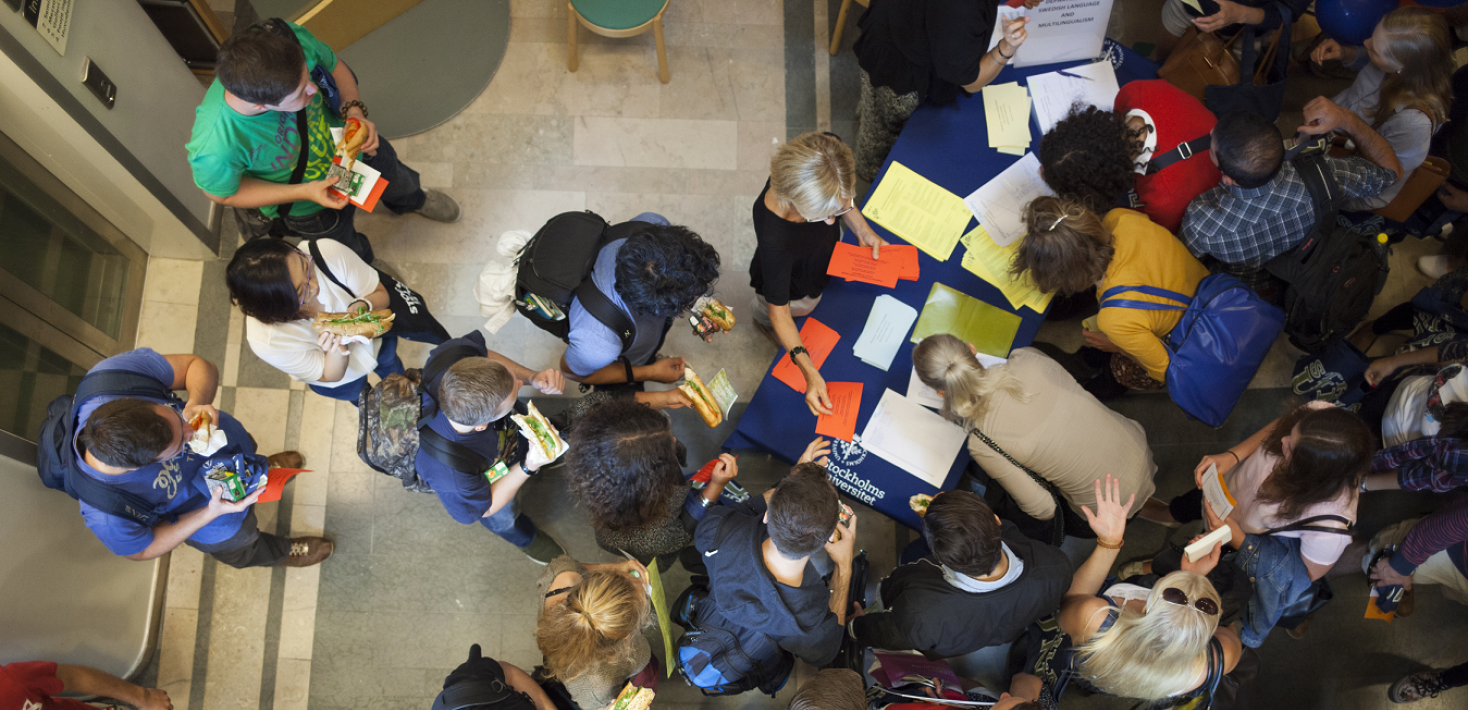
point(1173, 595)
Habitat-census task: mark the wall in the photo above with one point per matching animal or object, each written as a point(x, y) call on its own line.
point(129, 161)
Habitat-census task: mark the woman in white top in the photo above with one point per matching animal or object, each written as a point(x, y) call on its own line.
point(1404, 87)
point(280, 290)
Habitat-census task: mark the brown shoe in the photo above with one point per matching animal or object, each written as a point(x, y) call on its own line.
point(1407, 605)
point(1298, 632)
point(307, 551)
point(287, 459)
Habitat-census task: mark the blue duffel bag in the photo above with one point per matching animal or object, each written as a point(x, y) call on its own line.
point(1216, 348)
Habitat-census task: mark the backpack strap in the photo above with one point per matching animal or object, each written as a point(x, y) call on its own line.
point(1109, 299)
point(109, 499)
point(1325, 192)
point(324, 269)
point(1182, 152)
point(1216, 672)
point(601, 308)
point(456, 456)
point(1308, 526)
point(278, 27)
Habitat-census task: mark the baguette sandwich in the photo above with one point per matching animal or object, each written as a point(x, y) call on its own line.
point(715, 310)
point(354, 134)
point(367, 323)
point(633, 698)
point(919, 503)
point(539, 431)
point(703, 400)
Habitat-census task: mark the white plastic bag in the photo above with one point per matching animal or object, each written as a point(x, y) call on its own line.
point(496, 288)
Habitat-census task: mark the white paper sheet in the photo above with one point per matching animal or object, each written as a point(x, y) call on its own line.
point(886, 329)
point(1216, 493)
point(1054, 94)
point(1064, 31)
point(914, 439)
point(723, 392)
point(1000, 203)
point(921, 393)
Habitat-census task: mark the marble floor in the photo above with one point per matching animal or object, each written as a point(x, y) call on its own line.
point(381, 623)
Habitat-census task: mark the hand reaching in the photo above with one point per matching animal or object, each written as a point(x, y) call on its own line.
point(549, 381)
point(1109, 520)
point(816, 397)
point(1382, 574)
point(668, 369)
point(725, 470)
point(1206, 563)
point(816, 452)
point(1326, 51)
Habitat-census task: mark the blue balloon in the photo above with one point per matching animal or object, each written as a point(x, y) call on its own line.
point(1350, 22)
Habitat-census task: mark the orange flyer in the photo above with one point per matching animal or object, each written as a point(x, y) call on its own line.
point(906, 259)
point(855, 263)
point(845, 404)
point(819, 341)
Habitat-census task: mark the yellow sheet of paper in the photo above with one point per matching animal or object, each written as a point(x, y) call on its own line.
point(990, 329)
point(1016, 151)
point(918, 210)
point(991, 262)
point(1195, 5)
point(1007, 113)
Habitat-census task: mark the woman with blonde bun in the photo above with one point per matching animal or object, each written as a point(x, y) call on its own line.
point(590, 627)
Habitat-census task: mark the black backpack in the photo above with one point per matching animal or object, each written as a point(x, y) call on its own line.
point(1334, 274)
point(555, 265)
point(56, 462)
point(720, 657)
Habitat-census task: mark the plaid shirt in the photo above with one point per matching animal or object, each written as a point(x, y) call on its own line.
point(1247, 227)
point(1428, 464)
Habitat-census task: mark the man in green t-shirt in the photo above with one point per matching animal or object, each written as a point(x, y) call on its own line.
point(246, 141)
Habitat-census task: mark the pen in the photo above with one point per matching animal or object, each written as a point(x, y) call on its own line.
point(1063, 72)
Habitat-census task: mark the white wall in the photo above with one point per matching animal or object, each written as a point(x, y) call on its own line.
point(149, 125)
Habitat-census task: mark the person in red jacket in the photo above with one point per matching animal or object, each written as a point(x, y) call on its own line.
point(1165, 117)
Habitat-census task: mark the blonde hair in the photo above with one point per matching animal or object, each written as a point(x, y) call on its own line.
point(945, 363)
point(1151, 655)
point(1417, 43)
point(596, 625)
point(1067, 247)
point(814, 173)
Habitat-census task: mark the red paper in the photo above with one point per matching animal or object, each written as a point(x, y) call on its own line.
point(1015, 3)
point(906, 258)
point(819, 341)
point(845, 403)
point(855, 263)
point(276, 483)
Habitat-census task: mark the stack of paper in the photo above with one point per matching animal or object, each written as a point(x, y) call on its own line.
point(1056, 92)
point(916, 440)
point(886, 328)
point(1007, 111)
point(845, 405)
point(918, 210)
point(989, 329)
point(1000, 203)
point(991, 262)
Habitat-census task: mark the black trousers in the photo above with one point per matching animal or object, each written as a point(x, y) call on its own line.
point(249, 547)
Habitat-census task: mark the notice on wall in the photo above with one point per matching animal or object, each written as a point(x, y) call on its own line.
point(52, 18)
point(1059, 30)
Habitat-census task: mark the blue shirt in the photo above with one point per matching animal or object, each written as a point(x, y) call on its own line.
point(466, 496)
point(593, 344)
point(177, 482)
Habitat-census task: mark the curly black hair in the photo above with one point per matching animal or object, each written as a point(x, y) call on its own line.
point(1087, 157)
point(663, 269)
point(624, 464)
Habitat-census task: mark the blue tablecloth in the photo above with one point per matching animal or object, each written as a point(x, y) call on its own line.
point(949, 146)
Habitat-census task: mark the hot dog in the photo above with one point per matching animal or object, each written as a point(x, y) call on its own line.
point(703, 400)
point(354, 134)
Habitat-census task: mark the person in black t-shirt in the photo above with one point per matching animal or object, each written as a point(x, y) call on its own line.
point(811, 185)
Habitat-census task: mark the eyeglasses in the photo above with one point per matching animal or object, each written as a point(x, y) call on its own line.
point(849, 208)
point(305, 289)
point(1173, 595)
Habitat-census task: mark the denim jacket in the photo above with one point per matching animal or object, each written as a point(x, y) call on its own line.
point(1277, 571)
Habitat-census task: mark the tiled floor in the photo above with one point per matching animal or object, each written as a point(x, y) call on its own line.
point(381, 623)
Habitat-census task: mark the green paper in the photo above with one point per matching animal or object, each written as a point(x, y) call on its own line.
point(660, 607)
point(990, 330)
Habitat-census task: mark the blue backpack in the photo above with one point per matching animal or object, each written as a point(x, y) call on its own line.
point(1225, 332)
point(721, 658)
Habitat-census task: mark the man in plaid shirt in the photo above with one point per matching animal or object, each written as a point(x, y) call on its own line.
point(1262, 208)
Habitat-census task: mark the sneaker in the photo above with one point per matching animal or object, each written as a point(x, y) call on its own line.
point(1417, 686)
point(287, 459)
point(307, 551)
point(543, 549)
point(1435, 267)
point(439, 207)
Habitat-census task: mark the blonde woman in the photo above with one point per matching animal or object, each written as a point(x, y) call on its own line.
point(1403, 90)
point(590, 627)
point(1030, 412)
point(1133, 642)
point(811, 187)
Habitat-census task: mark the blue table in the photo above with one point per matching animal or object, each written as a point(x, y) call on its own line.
point(949, 146)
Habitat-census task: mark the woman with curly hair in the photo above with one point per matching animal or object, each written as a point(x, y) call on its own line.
point(1087, 157)
point(1070, 248)
point(624, 466)
point(589, 627)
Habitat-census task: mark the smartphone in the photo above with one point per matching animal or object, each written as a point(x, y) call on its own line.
point(846, 514)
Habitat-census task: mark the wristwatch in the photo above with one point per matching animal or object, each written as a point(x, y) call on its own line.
point(798, 350)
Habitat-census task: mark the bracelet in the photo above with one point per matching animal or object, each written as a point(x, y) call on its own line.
point(358, 104)
point(705, 502)
point(1109, 545)
point(1363, 484)
point(362, 301)
point(1007, 57)
point(1236, 456)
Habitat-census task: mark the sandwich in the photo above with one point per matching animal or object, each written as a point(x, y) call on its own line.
point(633, 698)
point(354, 134)
point(715, 310)
point(366, 323)
point(703, 400)
point(919, 503)
point(539, 431)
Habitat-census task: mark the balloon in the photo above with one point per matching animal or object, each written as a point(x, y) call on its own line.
point(1350, 22)
point(1432, 3)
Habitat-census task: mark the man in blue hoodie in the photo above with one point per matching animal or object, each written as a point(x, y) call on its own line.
point(758, 558)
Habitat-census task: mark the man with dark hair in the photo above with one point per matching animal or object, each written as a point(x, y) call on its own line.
point(981, 583)
point(832, 689)
point(1262, 208)
point(760, 574)
point(247, 140)
point(474, 396)
point(652, 275)
point(139, 444)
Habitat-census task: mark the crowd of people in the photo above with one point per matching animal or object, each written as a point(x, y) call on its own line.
point(777, 575)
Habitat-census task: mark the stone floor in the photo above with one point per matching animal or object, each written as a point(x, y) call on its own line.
point(381, 623)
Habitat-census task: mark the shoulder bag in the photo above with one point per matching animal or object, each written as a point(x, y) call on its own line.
point(1057, 533)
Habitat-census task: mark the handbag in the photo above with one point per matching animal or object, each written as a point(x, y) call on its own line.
point(1200, 60)
point(1217, 346)
point(1057, 529)
point(411, 319)
point(1258, 90)
point(1319, 593)
point(1425, 180)
point(1337, 375)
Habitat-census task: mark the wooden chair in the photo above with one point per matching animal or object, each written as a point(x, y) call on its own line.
point(841, 24)
point(619, 18)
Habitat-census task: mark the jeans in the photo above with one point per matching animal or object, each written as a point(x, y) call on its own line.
point(512, 525)
point(387, 364)
point(402, 194)
point(249, 547)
